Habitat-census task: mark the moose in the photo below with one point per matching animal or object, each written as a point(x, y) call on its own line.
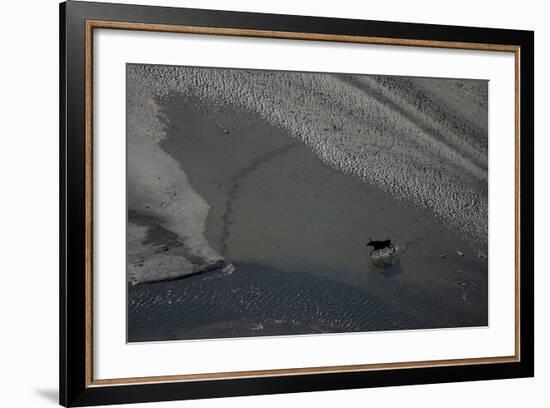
point(378, 245)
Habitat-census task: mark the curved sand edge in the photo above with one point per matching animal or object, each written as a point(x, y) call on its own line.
point(160, 196)
point(431, 153)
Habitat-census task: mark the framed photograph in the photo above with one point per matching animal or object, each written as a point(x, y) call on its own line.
point(256, 203)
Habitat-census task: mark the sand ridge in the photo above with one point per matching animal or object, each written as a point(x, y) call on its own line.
point(422, 140)
point(425, 144)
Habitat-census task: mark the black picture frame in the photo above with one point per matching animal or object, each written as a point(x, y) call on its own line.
point(76, 385)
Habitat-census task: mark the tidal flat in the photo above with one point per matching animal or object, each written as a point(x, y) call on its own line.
point(285, 235)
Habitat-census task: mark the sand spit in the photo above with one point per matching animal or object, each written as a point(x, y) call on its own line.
point(160, 196)
point(422, 140)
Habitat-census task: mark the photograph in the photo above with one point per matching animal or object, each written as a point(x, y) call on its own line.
point(256, 202)
point(283, 203)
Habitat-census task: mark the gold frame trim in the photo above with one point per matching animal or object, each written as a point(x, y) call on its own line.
point(99, 24)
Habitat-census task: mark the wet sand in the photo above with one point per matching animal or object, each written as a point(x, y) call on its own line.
point(295, 230)
point(422, 140)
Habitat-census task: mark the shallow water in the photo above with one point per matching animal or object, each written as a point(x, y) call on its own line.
point(296, 231)
point(259, 301)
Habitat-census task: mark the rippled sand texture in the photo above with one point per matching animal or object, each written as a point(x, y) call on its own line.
point(272, 182)
point(260, 301)
point(433, 132)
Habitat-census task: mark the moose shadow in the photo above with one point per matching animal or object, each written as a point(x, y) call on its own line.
point(389, 270)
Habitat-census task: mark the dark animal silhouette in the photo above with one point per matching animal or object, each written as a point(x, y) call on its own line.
point(377, 245)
